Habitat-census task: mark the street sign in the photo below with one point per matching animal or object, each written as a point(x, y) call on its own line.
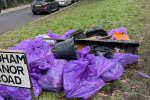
point(14, 70)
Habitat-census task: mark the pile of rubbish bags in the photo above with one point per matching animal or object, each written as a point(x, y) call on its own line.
point(81, 78)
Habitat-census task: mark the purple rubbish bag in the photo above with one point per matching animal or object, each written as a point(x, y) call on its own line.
point(53, 80)
point(20, 93)
point(36, 50)
point(1, 98)
point(80, 77)
point(108, 70)
point(69, 32)
point(144, 75)
point(3, 91)
point(36, 76)
point(60, 36)
point(125, 59)
point(122, 29)
point(113, 73)
point(43, 64)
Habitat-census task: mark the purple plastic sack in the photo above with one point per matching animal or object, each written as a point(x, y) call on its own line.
point(43, 64)
point(125, 59)
point(80, 77)
point(20, 93)
point(1, 98)
point(113, 73)
point(36, 50)
point(122, 29)
point(36, 76)
point(144, 75)
point(60, 36)
point(53, 80)
point(108, 70)
point(3, 91)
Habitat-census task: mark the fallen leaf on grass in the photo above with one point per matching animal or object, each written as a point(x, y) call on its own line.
point(50, 96)
point(117, 91)
point(125, 81)
point(108, 83)
point(136, 86)
point(112, 95)
point(123, 26)
point(1, 42)
point(90, 99)
point(60, 98)
point(141, 38)
point(126, 92)
point(102, 94)
point(140, 61)
point(63, 95)
point(84, 27)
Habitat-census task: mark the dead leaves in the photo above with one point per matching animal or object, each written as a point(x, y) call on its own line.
point(126, 92)
point(140, 61)
point(135, 87)
point(112, 96)
point(141, 38)
point(125, 81)
point(60, 98)
point(50, 97)
point(90, 99)
point(63, 95)
point(102, 94)
point(108, 83)
point(114, 93)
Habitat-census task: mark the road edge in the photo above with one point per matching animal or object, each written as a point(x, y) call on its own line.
point(14, 9)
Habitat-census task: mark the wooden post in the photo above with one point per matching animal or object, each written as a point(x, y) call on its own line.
point(32, 93)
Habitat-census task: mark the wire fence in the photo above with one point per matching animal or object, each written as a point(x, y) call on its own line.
point(15, 3)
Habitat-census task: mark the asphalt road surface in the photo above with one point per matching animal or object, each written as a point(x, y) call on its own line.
point(13, 20)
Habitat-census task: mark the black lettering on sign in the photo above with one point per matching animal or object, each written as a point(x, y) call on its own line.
point(20, 70)
point(5, 58)
point(13, 69)
point(5, 69)
point(21, 58)
point(0, 70)
point(17, 80)
point(12, 59)
point(4, 78)
point(10, 79)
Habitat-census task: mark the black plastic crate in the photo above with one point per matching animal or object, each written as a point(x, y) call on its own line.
point(128, 46)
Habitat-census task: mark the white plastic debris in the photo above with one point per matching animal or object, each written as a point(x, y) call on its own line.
point(51, 42)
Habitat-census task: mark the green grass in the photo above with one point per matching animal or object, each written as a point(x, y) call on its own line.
point(112, 14)
point(85, 14)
